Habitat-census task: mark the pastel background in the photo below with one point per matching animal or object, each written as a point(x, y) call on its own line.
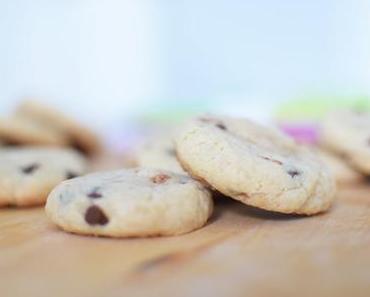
point(111, 61)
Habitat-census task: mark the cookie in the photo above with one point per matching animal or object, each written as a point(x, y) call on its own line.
point(344, 174)
point(347, 134)
point(158, 152)
point(21, 131)
point(130, 203)
point(28, 174)
point(256, 165)
point(80, 136)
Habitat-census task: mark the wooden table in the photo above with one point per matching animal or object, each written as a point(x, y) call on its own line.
point(241, 252)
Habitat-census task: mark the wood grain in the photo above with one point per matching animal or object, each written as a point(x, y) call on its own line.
point(241, 252)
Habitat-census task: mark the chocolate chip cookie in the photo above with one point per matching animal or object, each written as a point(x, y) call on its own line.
point(347, 134)
point(256, 165)
point(158, 152)
point(28, 174)
point(134, 202)
point(344, 174)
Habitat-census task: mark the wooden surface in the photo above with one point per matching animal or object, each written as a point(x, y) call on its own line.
point(241, 252)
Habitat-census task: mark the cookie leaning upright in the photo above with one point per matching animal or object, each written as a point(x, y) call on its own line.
point(28, 174)
point(347, 134)
point(79, 136)
point(130, 203)
point(256, 165)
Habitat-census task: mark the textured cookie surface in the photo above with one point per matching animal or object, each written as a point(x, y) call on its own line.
point(130, 203)
point(347, 133)
point(256, 165)
point(28, 174)
point(159, 152)
point(79, 136)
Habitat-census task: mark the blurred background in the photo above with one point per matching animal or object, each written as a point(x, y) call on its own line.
point(115, 62)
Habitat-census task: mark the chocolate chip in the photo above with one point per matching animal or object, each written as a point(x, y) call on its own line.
point(221, 126)
point(94, 194)
point(71, 174)
point(160, 178)
point(293, 173)
point(30, 168)
point(95, 216)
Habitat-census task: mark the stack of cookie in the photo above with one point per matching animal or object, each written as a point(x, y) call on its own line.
point(256, 165)
point(41, 147)
point(36, 124)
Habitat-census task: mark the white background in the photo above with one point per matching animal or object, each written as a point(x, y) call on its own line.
point(106, 60)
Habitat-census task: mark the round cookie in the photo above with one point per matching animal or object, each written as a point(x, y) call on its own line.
point(21, 131)
point(347, 134)
point(28, 174)
point(256, 165)
point(79, 136)
point(134, 202)
point(159, 152)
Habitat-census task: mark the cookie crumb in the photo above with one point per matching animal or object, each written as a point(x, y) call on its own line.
point(95, 216)
point(160, 178)
point(30, 168)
